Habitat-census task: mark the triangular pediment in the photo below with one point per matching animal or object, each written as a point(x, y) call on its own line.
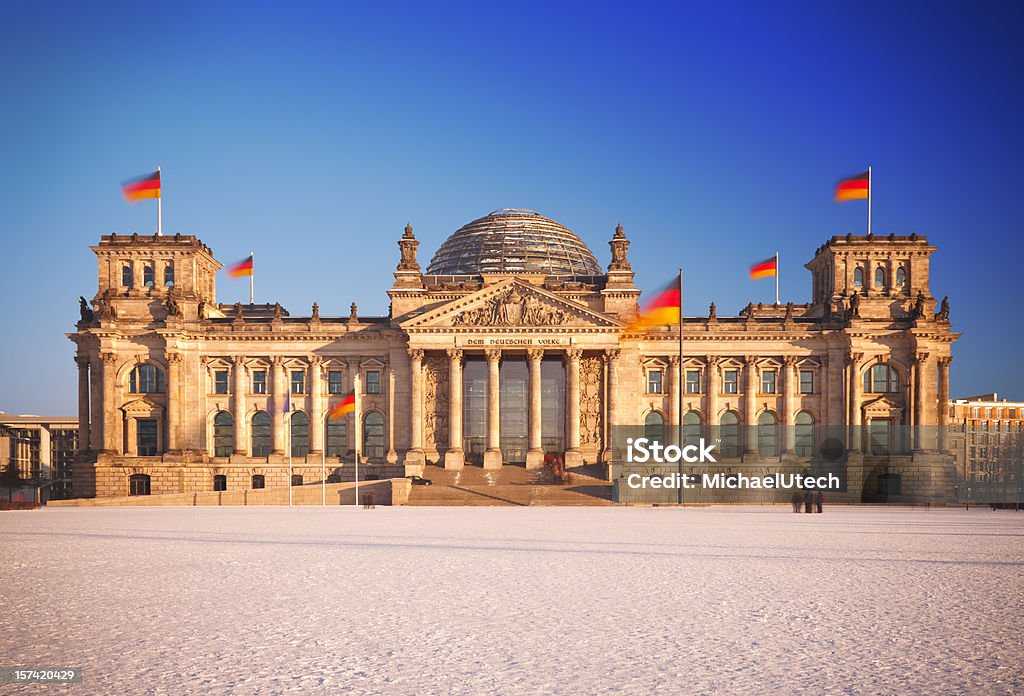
point(511, 304)
point(882, 406)
point(142, 407)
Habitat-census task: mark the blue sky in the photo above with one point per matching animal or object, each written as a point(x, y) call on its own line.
point(713, 132)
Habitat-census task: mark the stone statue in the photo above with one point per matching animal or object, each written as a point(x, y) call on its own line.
point(106, 307)
point(620, 247)
point(854, 312)
point(408, 246)
point(277, 311)
point(712, 311)
point(789, 311)
point(943, 313)
point(748, 311)
point(201, 311)
point(238, 310)
point(353, 315)
point(316, 312)
point(85, 309)
point(918, 312)
point(173, 308)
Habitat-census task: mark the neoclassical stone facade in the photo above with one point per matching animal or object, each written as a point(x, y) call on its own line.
point(513, 343)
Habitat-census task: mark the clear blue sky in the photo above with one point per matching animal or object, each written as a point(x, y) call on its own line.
point(713, 132)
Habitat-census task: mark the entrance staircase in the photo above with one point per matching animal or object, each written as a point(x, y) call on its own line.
point(509, 485)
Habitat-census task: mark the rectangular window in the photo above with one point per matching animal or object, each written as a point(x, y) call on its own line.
point(334, 382)
point(767, 381)
point(1011, 413)
point(259, 381)
point(693, 381)
point(220, 382)
point(806, 381)
point(373, 381)
point(298, 381)
point(654, 381)
point(731, 383)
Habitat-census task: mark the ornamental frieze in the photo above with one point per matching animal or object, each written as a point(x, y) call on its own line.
point(511, 308)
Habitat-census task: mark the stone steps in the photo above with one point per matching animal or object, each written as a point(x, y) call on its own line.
point(506, 486)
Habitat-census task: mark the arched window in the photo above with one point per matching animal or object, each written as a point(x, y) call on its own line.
point(691, 428)
point(373, 435)
point(126, 276)
point(858, 277)
point(654, 427)
point(337, 437)
point(146, 379)
point(879, 277)
point(260, 434)
point(767, 435)
point(138, 484)
point(729, 433)
point(881, 379)
point(223, 434)
point(258, 481)
point(804, 434)
point(300, 434)
point(169, 275)
point(901, 277)
point(147, 276)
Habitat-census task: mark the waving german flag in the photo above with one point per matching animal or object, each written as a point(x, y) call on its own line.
point(853, 187)
point(147, 186)
point(765, 269)
point(242, 268)
point(663, 308)
point(346, 405)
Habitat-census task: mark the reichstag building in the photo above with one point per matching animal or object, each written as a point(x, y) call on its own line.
point(514, 342)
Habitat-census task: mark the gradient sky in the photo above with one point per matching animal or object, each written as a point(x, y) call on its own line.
point(713, 132)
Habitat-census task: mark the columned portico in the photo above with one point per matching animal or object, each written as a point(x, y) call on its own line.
point(535, 455)
point(492, 456)
point(455, 457)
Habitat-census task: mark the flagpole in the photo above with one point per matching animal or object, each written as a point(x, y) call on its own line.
point(289, 453)
point(160, 206)
point(776, 278)
point(252, 272)
point(323, 468)
point(679, 388)
point(869, 199)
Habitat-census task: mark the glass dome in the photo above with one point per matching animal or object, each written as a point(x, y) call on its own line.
point(513, 240)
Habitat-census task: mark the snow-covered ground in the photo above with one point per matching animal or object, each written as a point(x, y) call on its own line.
point(516, 600)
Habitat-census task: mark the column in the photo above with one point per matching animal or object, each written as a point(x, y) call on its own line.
point(675, 391)
point(573, 456)
point(535, 455)
point(920, 375)
point(240, 389)
point(95, 404)
point(171, 440)
point(612, 361)
point(750, 406)
point(83, 402)
point(492, 456)
point(455, 457)
point(713, 388)
point(855, 440)
point(316, 405)
point(277, 415)
point(111, 414)
point(357, 414)
point(45, 465)
point(392, 456)
point(790, 389)
point(944, 401)
point(416, 382)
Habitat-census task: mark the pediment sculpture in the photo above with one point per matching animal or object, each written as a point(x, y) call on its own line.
point(512, 308)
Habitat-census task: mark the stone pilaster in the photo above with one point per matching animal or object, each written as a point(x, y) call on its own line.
point(316, 405)
point(573, 456)
point(920, 376)
point(415, 454)
point(392, 455)
point(535, 455)
point(357, 414)
point(790, 390)
point(943, 401)
point(675, 392)
point(280, 398)
point(855, 439)
point(172, 443)
point(240, 389)
point(750, 406)
point(111, 413)
point(455, 457)
point(713, 388)
point(492, 455)
point(612, 356)
point(83, 402)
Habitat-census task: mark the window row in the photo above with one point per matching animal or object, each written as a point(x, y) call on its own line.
point(297, 382)
point(336, 442)
point(768, 440)
point(880, 277)
point(694, 382)
point(141, 484)
point(148, 276)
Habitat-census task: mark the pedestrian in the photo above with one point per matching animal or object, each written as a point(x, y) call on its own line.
point(819, 498)
point(795, 502)
point(808, 501)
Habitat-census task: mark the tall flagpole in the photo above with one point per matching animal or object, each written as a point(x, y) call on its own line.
point(252, 271)
point(289, 451)
point(323, 467)
point(679, 388)
point(776, 278)
point(869, 199)
point(160, 206)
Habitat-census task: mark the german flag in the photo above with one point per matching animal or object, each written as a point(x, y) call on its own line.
point(147, 186)
point(853, 187)
point(663, 308)
point(241, 269)
point(345, 406)
point(765, 269)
